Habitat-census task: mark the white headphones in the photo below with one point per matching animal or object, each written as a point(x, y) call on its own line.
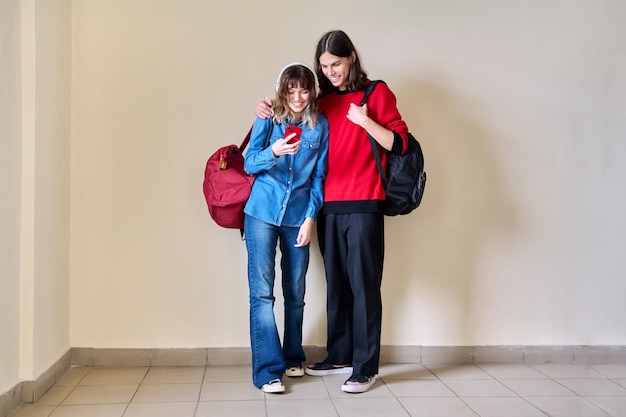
point(280, 74)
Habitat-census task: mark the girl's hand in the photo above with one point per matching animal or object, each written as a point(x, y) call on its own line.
point(304, 234)
point(281, 147)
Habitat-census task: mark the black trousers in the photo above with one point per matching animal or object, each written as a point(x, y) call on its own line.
point(353, 247)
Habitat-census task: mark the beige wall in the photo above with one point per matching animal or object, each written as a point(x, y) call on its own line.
point(10, 182)
point(519, 106)
point(35, 166)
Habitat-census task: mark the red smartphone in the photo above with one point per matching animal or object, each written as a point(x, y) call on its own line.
point(293, 129)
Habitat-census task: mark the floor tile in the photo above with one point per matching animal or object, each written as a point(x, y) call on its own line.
point(228, 373)
point(615, 406)
point(611, 371)
point(405, 371)
point(503, 407)
point(174, 375)
point(72, 377)
point(537, 388)
point(403, 390)
point(232, 409)
point(567, 371)
point(302, 408)
point(566, 406)
point(154, 393)
point(593, 387)
point(369, 407)
point(436, 407)
point(33, 410)
point(55, 395)
point(419, 388)
point(114, 376)
point(94, 410)
point(101, 394)
point(236, 390)
point(511, 371)
point(180, 409)
point(479, 388)
point(459, 372)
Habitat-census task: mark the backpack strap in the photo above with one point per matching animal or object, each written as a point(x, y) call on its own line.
point(368, 90)
point(246, 140)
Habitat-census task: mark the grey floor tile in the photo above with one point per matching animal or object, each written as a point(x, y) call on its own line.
point(437, 407)
point(566, 407)
point(101, 394)
point(72, 377)
point(230, 391)
point(611, 371)
point(228, 373)
point(419, 388)
point(55, 395)
point(94, 410)
point(369, 407)
point(232, 409)
point(155, 393)
point(180, 409)
point(34, 410)
point(503, 407)
point(614, 406)
point(174, 375)
point(537, 388)
point(554, 370)
point(405, 371)
point(114, 376)
point(403, 390)
point(301, 408)
point(511, 371)
point(479, 388)
point(459, 372)
point(593, 387)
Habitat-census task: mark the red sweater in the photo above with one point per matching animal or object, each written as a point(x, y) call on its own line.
point(353, 184)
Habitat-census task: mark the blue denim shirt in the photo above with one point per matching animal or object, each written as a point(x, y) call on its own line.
point(287, 188)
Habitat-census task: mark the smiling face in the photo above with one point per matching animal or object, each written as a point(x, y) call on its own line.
point(336, 69)
point(298, 98)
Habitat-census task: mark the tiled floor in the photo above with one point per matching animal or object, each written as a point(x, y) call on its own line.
point(486, 390)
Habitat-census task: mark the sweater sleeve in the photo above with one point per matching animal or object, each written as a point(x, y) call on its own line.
point(382, 107)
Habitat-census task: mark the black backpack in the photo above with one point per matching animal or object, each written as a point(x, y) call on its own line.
point(405, 178)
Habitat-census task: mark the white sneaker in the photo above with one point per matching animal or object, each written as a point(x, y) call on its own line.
point(275, 386)
point(294, 371)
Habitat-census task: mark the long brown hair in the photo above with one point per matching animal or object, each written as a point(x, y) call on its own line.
point(337, 43)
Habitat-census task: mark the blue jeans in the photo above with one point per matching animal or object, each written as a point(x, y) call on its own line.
point(269, 359)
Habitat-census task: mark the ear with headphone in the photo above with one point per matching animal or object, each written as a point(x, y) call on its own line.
point(280, 74)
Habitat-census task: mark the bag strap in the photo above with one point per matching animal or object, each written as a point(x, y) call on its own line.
point(246, 140)
point(368, 90)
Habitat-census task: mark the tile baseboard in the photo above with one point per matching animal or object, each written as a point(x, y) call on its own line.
point(31, 391)
point(454, 355)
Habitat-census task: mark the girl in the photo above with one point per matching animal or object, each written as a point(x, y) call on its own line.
point(285, 199)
